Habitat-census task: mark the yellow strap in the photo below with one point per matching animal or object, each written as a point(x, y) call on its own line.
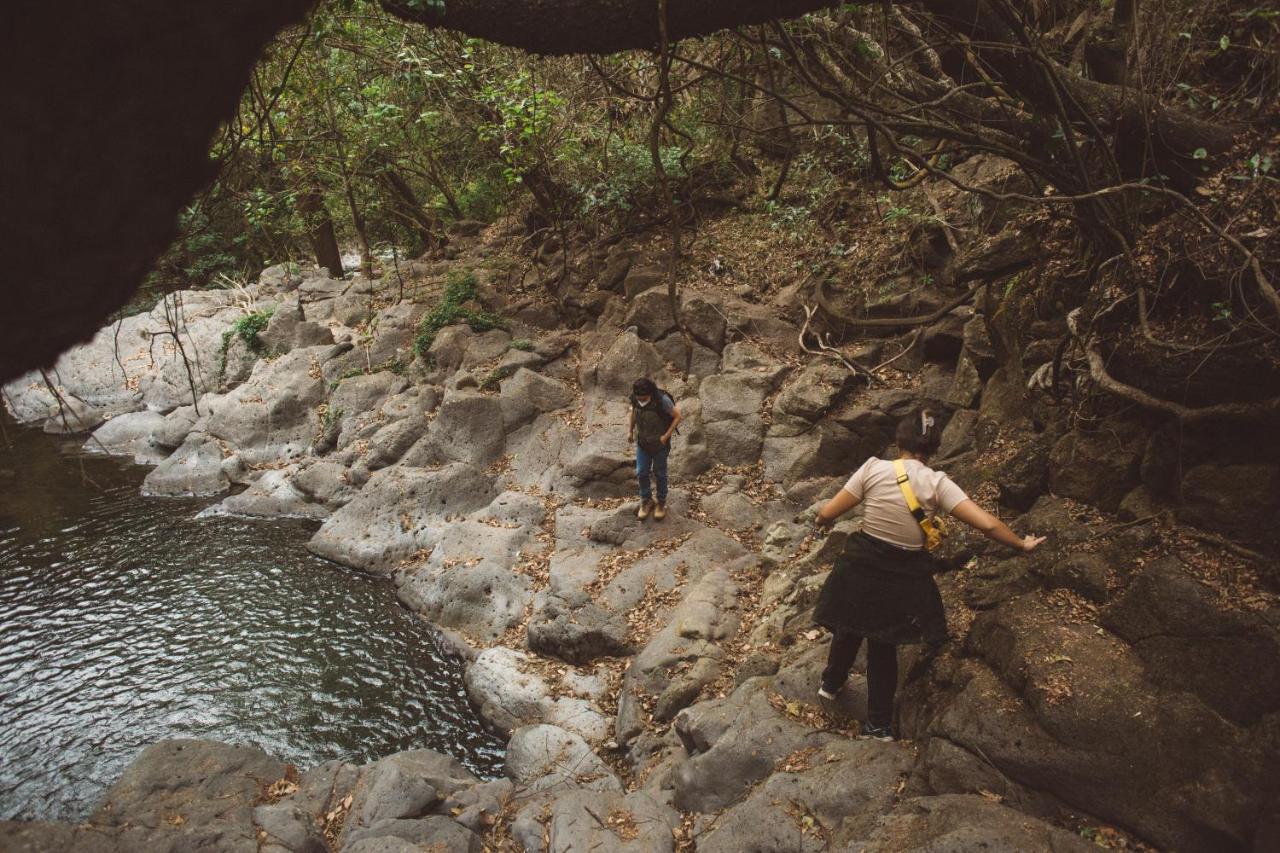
point(904, 483)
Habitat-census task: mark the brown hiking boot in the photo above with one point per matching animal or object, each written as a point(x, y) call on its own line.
point(645, 507)
point(659, 511)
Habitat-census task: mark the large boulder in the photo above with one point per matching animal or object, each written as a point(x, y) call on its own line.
point(399, 512)
point(467, 428)
point(820, 799)
point(510, 690)
point(527, 394)
point(1190, 639)
point(194, 469)
point(468, 582)
point(275, 414)
point(272, 495)
point(402, 786)
point(1080, 718)
point(650, 313)
point(289, 329)
point(958, 822)
point(682, 658)
point(734, 743)
point(733, 417)
point(1240, 501)
point(191, 795)
point(549, 758)
point(624, 359)
point(134, 434)
point(1096, 467)
point(608, 820)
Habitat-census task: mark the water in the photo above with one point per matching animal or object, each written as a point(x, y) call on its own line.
point(123, 620)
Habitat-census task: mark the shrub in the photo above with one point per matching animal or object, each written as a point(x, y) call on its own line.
point(246, 329)
point(459, 288)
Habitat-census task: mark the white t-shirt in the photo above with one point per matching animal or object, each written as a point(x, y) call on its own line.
point(885, 511)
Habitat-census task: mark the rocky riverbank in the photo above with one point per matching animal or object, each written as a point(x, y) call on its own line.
point(657, 680)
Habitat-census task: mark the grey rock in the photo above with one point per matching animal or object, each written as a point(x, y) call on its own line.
point(843, 792)
point(671, 347)
point(288, 329)
point(435, 832)
point(577, 634)
point(326, 483)
point(624, 360)
point(549, 758)
point(131, 434)
point(595, 820)
point(449, 346)
point(1098, 468)
point(682, 658)
point(754, 365)
point(960, 822)
point(71, 415)
point(1189, 640)
point(734, 743)
point(402, 785)
point(1240, 501)
point(478, 806)
point(510, 693)
point(705, 321)
point(288, 826)
point(467, 583)
point(640, 279)
point(272, 495)
point(399, 512)
point(526, 394)
point(195, 468)
point(213, 786)
point(467, 428)
point(273, 415)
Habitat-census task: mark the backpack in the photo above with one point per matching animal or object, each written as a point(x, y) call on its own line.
point(662, 413)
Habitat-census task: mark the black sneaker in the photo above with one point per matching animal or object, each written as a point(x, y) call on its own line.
point(871, 732)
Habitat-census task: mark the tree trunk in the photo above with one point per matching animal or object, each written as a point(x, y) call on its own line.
point(410, 209)
point(324, 242)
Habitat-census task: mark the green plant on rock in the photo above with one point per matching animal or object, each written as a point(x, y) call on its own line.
point(522, 344)
point(247, 329)
point(460, 288)
point(494, 377)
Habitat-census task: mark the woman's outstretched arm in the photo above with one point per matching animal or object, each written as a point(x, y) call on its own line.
point(843, 501)
point(993, 528)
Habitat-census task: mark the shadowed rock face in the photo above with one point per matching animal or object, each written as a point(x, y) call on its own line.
point(110, 109)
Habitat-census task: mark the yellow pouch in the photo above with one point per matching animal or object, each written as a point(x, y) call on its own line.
point(932, 528)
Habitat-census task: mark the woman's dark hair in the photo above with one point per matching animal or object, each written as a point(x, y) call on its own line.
point(644, 388)
point(919, 433)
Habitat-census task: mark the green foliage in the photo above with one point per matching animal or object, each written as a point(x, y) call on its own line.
point(494, 377)
point(630, 181)
point(246, 328)
point(524, 116)
point(522, 344)
point(459, 289)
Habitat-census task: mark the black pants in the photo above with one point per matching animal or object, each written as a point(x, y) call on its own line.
point(882, 673)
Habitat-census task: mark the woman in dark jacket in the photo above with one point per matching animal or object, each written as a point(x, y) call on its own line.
point(882, 588)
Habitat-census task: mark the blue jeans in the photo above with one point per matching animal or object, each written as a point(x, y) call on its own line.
point(656, 463)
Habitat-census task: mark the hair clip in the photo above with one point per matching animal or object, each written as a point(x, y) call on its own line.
point(926, 421)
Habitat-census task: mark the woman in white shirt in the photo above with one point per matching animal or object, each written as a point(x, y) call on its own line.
point(881, 588)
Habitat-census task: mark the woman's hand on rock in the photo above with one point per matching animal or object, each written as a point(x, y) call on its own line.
point(1029, 543)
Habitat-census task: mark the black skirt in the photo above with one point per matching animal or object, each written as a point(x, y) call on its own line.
point(884, 593)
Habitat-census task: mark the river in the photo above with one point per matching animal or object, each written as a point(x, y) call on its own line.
point(125, 620)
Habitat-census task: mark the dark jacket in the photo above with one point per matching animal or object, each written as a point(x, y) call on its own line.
point(882, 592)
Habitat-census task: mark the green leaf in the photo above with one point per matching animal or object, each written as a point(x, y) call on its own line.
point(1199, 154)
point(1224, 42)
